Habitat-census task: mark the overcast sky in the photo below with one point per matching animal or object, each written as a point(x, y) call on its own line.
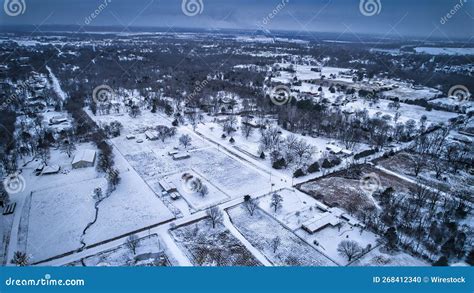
point(396, 17)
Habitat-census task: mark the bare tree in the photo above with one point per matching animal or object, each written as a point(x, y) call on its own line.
point(229, 124)
point(185, 140)
point(132, 243)
point(276, 201)
point(270, 138)
point(165, 132)
point(68, 148)
point(113, 179)
point(4, 196)
point(251, 205)
point(246, 128)
point(303, 150)
point(276, 243)
point(194, 117)
point(215, 215)
point(349, 249)
point(20, 259)
point(203, 191)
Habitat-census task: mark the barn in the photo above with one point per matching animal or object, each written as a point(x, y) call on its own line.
point(84, 159)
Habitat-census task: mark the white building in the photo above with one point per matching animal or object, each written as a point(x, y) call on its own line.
point(84, 159)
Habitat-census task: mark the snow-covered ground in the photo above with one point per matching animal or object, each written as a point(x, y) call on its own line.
point(297, 208)
point(63, 204)
point(193, 198)
point(292, 251)
point(208, 246)
point(149, 251)
point(379, 257)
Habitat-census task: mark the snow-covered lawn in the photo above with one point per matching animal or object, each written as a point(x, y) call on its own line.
point(296, 208)
point(329, 238)
point(149, 252)
point(207, 246)
point(378, 257)
point(261, 230)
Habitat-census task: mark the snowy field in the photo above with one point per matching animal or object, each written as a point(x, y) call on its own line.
point(152, 162)
point(194, 199)
point(292, 251)
point(207, 246)
point(63, 202)
point(64, 212)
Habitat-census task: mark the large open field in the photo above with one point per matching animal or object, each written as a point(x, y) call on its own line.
point(63, 204)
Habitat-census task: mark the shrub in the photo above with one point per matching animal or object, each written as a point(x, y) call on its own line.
point(298, 173)
point(262, 156)
point(279, 164)
point(313, 168)
point(365, 153)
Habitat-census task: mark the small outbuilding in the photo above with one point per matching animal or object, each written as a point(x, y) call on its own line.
point(84, 159)
point(181, 156)
point(151, 135)
point(169, 187)
point(50, 170)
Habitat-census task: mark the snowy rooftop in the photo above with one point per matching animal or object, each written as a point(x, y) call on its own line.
point(320, 221)
point(84, 156)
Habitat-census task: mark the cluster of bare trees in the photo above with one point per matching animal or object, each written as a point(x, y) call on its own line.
point(286, 151)
point(434, 151)
point(423, 221)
